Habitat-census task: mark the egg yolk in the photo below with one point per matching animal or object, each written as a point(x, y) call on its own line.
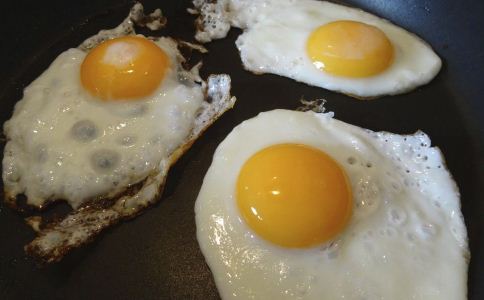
point(294, 195)
point(350, 49)
point(124, 68)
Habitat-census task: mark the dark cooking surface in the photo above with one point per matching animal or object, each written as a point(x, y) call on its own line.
point(156, 255)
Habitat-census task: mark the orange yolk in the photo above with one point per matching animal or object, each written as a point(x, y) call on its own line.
point(350, 49)
point(294, 195)
point(124, 68)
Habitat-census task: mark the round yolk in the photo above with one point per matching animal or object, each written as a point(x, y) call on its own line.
point(350, 49)
point(124, 68)
point(294, 195)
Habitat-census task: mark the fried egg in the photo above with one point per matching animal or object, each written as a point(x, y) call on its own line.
point(322, 44)
point(100, 129)
point(101, 118)
point(94, 123)
point(299, 205)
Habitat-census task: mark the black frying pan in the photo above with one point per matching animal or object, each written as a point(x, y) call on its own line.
point(156, 255)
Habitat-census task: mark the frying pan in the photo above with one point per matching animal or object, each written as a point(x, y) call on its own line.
point(156, 255)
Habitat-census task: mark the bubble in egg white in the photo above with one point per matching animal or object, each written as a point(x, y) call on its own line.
point(388, 231)
point(351, 160)
point(84, 130)
point(41, 153)
point(131, 111)
point(367, 196)
point(332, 249)
point(105, 160)
point(127, 141)
point(427, 231)
point(397, 216)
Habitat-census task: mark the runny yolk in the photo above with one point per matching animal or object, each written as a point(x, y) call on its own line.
point(350, 49)
point(294, 195)
point(124, 68)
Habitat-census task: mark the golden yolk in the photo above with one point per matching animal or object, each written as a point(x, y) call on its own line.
point(350, 49)
point(124, 68)
point(294, 195)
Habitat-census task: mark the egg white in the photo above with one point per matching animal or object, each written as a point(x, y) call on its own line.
point(406, 238)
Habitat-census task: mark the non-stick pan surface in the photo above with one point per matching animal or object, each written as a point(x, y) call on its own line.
point(156, 255)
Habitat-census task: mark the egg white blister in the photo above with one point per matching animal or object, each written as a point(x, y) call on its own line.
point(405, 240)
